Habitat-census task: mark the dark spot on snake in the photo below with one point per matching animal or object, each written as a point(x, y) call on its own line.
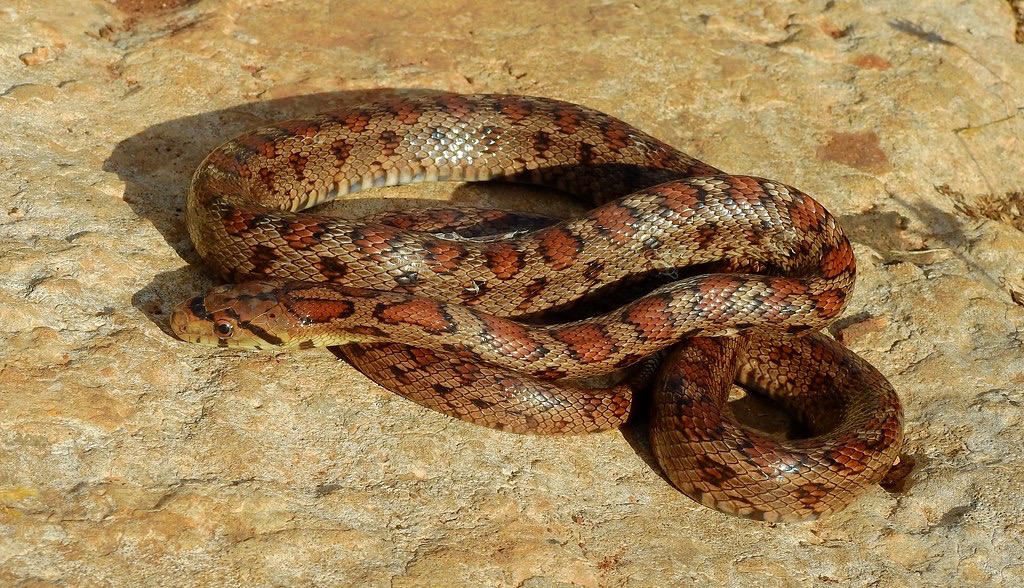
point(745, 446)
point(389, 142)
point(443, 257)
point(197, 307)
point(347, 352)
point(594, 270)
point(490, 136)
point(706, 233)
point(542, 142)
point(262, 258)
point(567, 118)
point(438, 134)
point(298, 164)
point(810, 493)
point(262, 334)
point(267, 177)
point(586, 153)
point(795, 329)
point(400, 374)
point(550, 375)
point(531, 291)
point(458, 106)
point(392, 108)
point(407, 279)
point(514, 108)
point(261, 220)
point(481, 404)
point(837, 461)
point(822, 381)
point(332, 268)
point(245, 146)
point(639, 221)
point(680, 401)
point(700, 197)
point(652, 242)
point(474, 293)
point(442, 390)
point(340, 150)
point(615, 134)
point(712, 471)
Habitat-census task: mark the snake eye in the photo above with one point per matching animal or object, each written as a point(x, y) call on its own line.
point(223, 329)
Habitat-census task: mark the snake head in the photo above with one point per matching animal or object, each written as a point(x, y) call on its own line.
point(247, 315)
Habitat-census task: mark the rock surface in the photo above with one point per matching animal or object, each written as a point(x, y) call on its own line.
point(130, 458)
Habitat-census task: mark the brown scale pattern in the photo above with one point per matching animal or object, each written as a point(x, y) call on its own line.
point(851, 448)
point(658, 210)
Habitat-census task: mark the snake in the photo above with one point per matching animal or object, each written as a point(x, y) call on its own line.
point(680, 282)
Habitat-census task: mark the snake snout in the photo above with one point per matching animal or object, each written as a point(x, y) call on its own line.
point(187, 317)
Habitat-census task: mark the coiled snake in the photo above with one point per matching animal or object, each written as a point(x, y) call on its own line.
point(416, 307)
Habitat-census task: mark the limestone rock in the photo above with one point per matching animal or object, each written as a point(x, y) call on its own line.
point(130, 458)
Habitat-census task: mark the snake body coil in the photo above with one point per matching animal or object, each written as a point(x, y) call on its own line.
point(427, 310)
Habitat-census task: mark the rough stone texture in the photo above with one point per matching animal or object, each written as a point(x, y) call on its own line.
point(127, 457)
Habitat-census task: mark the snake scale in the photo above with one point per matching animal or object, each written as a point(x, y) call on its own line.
point(735, 275)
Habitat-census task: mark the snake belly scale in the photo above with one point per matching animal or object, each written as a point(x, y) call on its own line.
point(440, 319)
